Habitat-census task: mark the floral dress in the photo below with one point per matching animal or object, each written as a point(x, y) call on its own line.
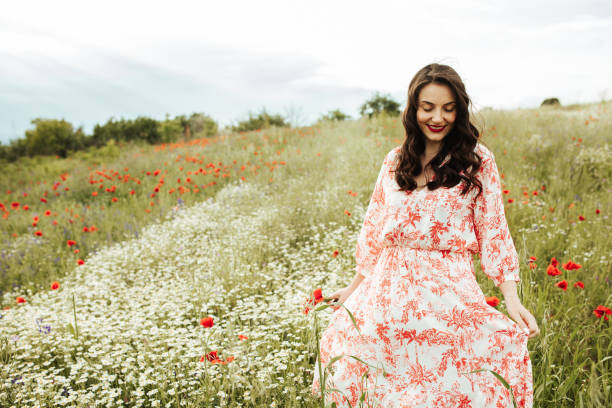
point(421, 314)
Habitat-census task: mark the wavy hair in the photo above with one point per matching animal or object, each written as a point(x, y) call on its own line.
point(463, 163)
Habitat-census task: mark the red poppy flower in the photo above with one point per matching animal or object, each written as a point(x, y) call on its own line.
point(15, 204)
point(85, 229)
point(26, 208)
point(597, 211)
point(569, 265)
point(553, 261)
point(212, 355)
point(318, 296)
point(38, 233)
point(581, 217)
point(552, 270)
point(207, 321)
point(80, 261)
point(579, 284)
point(242, 337)
point(20, 299)
point(601, 310)
point(71, 242)
point(532, 258)
point(48, 213)
point(510, 200)
point(335, 253)
point(55, 285)
point(43, 199)
point(562, 284)
point(492, 301)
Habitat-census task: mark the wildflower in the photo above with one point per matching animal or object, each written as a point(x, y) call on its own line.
point(552, 270)
point(20, 299)
point(48, 213)
point(335, 253)
point(553, 261)
point(207, 321)
point(601, 310)
point(492, 301)
point(569, 265)
point(347, 212)
point(242, 337)
point(581, 218)
point(85, 229)
point(43, 200)
point(597, 211)
point(579, 284)
point(318, 296)
point(562, 284)
point(212, 355)
point(510, 200)
point(80, 261)
point(532, 258)
point(15, 204)
point(70, 242)
point(55, 285)
point(38, 233)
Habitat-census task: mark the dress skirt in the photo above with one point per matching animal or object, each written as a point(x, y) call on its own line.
point(424, 319)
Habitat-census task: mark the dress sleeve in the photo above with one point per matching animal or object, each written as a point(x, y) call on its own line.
point(369, 241)
point(498, 257)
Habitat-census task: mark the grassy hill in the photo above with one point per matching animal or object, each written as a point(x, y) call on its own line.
point(243, 227)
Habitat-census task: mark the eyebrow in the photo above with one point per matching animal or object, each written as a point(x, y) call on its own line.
point(447, 103)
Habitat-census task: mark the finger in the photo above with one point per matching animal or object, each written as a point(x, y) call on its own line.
point(519, 321)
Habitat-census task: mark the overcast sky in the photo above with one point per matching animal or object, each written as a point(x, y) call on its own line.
point(86, 63)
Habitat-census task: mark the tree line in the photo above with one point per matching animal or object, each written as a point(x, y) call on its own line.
point(58, 137)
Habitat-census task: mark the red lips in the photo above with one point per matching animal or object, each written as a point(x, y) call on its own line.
point(436, 130)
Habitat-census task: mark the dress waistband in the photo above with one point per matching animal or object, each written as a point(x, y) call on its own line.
point(444, 252)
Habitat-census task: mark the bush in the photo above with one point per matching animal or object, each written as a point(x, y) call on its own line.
point(262, 121)
point(334, 115)
point(52, 137)
point(379, 103)
point(141, 128)
point(550, 102)
point(202, 125)
point(170, 130)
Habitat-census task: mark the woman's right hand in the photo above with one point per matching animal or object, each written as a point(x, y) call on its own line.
point(340, 296)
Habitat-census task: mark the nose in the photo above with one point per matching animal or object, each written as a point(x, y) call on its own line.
point(437, 116)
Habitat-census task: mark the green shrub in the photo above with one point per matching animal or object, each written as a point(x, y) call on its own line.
point(334, 115)
point(262, 120)
point(378, 104)
point(52, 137)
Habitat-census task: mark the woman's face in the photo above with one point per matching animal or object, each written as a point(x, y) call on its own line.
point(436, 111)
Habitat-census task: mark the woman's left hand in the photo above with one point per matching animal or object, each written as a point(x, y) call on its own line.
point(522, 317)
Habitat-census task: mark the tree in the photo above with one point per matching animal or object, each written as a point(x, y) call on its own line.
point(379, 103)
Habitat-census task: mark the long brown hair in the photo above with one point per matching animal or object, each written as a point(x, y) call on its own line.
point(459, 143)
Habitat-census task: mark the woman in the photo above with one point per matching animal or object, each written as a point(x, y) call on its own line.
point(421, 315)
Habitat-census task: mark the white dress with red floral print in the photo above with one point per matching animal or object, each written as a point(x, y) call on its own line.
point(422, 316)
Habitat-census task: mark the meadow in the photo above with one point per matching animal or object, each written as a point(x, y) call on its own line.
point(175, 275)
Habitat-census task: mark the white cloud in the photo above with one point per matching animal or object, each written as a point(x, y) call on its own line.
point(89, 62)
